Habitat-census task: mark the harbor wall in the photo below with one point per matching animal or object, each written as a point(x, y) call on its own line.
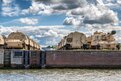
point(35, 59)
point(1, 57)
point(82, 59)
point(60, 59)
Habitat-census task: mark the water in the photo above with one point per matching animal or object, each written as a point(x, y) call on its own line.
point(60, 75)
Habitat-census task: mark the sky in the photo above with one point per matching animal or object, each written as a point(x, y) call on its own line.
point(48, 21)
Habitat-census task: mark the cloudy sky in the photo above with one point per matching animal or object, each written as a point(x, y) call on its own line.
point(47, 21)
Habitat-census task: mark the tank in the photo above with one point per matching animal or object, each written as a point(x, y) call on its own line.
point(74, 40)
point(18, 40)
point(2, 42)
point(100, 40)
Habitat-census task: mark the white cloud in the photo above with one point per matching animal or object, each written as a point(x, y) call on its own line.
point(51, 33)
point(91, 14)
point(28, 21)
point(6, 2)
point(38, 8)
point(119, 2)
point(9, 8)
point(72, 21)
point(48, 7)
point(64, 4)
point(54, 41)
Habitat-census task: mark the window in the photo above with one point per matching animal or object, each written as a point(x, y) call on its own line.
point(69, 40)
point(18, 54)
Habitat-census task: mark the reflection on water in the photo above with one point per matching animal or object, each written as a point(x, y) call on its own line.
point(60, 75)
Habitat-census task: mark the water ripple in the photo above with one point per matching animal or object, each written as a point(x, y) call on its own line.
point(60, 75)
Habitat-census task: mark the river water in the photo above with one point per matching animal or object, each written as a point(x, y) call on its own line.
point(61, 75)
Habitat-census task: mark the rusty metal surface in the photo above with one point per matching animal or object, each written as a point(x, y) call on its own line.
point(35, 59)
point(83, 58)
